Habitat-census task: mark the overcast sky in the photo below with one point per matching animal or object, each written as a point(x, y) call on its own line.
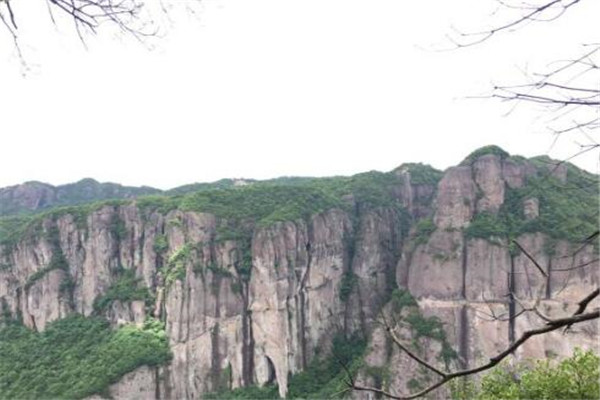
point(260, 89)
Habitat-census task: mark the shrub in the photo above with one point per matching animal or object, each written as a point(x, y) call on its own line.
point(423, 231)
point(161, 245)
point(402, 298)
point(485, 226)
point(348, 282)
point(422, 174)
point(576, 377)
point(75, 357)
point(126, 288)
point(482, 151)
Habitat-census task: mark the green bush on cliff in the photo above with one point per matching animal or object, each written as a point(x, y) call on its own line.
point(423, 230)
point(57, 260)
point(323, 378)
point(263, 203)
point(347, 284)
point(125, 289)
point(486, 225)
point(268, 392)
point(576, 377)
point(483, 151)
point(566, 211)
point(175, 269)
point(75, 357)
point(402, 298)
point(422, 174)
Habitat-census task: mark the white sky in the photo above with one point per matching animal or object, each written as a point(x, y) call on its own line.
point(267, 88)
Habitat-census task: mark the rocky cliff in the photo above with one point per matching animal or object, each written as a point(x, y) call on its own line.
point(253, 283)
point(35, 196)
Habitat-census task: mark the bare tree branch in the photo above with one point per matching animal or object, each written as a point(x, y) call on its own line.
point(551, 325)
point(533, 260)
point(528, 14)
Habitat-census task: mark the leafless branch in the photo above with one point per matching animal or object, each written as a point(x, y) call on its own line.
point(532, 259)
point(88, 15)
point(545, 12)
point(550, 325)
point(411, 354)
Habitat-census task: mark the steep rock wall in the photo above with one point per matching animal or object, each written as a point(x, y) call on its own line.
point(254, 304)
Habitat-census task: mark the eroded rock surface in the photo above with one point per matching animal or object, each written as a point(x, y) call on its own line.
point(257, 308)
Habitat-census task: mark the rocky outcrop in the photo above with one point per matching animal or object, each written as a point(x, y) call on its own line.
point(34, 196)
point(250, 304)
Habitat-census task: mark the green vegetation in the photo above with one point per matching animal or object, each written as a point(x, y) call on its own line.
point(269, 392)
point(75, 357)
point(57, 260)
point(423, 231)
point(117, 227)
point(381, 375)
point(261, 203)
point(323, 378)
point(482, 151)
point(84, 191)
point(161, 245)
point(347, 284)
point(486, 225)
point(15, 228)
point(566, 211)
point(175, 268)
point(127, 288)
point(217, 270)
point(428, 327)
point(576, 377)
point(422, 174)
point(12, 228)
point(402, 298)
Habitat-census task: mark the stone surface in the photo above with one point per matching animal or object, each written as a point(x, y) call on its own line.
point(531, 208)
point(227, 329)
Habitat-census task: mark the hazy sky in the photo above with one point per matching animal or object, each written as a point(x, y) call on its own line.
point(259, 89)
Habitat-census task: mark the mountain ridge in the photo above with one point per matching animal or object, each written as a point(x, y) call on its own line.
point(36, 196)
point(258, 284)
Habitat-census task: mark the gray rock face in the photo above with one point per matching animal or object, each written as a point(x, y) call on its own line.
point(229, 327)
point(456, 198)
point(33, 196)
point(531, 208)
point(487, 171)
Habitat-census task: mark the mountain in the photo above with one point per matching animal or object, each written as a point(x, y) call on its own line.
point(36, 196)
point(31, 197)
point(258, 289)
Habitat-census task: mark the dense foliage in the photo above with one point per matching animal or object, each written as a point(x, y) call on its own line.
point(83, 191)
point(323, 378)
point(261, 203)
point(347, 284)
point(421, 174)
point(577, 377)
point(75, 357)
point(14, 228)
point(483, 151)
point(421, 326)
point(126, 288)
point(423, 230)
point(566, 211)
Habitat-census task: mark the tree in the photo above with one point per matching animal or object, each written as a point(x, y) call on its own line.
point(570, 94)
point(576, 377)
point(568, 90)
point(87, 15)
point(133, 18)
